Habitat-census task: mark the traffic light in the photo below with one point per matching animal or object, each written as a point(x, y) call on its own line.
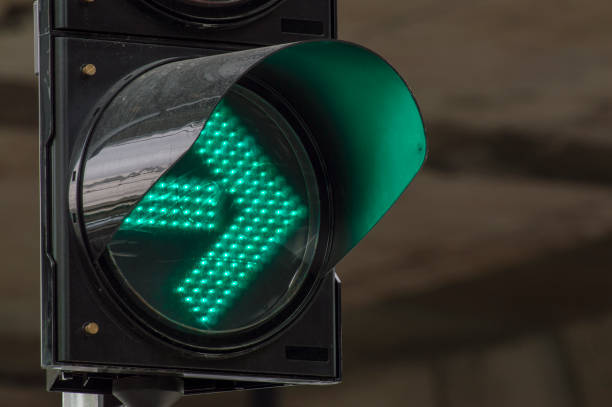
point(204, 166)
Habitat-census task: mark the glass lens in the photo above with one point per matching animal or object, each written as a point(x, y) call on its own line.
point(215, 3)
point(225, 238)
point(214, 12)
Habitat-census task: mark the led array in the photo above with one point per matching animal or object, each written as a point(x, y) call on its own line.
point(267, 213)
point(177, 203)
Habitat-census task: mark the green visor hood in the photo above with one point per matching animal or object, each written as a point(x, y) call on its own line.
point(365, 122)
point(358, 121)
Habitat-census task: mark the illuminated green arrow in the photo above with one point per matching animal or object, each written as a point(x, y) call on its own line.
point(267, 213)
point(177, 203)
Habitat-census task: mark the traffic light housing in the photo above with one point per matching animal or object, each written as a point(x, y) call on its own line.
point(196, 196)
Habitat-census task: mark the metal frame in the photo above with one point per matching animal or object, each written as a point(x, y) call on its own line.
point(67, 35)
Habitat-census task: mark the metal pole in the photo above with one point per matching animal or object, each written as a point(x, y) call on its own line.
point(131, 392)
point(88, 400)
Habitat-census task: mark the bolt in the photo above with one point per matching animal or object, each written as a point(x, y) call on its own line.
point(91, 328)
point(88, 70)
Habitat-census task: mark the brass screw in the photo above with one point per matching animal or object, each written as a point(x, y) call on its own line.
point(88, 70)
point(91, 328)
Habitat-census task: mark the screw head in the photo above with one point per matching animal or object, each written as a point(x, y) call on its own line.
point(88, 70)
point(91, 328)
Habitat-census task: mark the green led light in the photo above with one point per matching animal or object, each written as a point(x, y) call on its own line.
point(265, 214)
point(168, 204)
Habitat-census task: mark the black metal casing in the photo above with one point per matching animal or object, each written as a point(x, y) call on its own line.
point(119, 37)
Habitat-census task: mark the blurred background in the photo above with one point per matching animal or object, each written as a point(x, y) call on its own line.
point(489, 283)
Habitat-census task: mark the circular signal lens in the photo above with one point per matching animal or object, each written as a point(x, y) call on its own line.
point(214, 3)
point(213, 12)
point(225, 238)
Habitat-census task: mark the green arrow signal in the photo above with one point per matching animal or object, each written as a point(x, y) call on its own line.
point(177, 204)
point(267, 213)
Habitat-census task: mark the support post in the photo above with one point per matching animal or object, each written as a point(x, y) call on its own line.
point(89, 400)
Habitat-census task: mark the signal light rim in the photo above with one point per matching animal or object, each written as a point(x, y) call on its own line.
point(212, 344)
point(200, 17)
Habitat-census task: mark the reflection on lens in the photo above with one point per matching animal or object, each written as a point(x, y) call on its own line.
point(214, 12)
point(224, 239)
point(217, 3)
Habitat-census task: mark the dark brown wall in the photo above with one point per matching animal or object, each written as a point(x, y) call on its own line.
point(488, 284)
